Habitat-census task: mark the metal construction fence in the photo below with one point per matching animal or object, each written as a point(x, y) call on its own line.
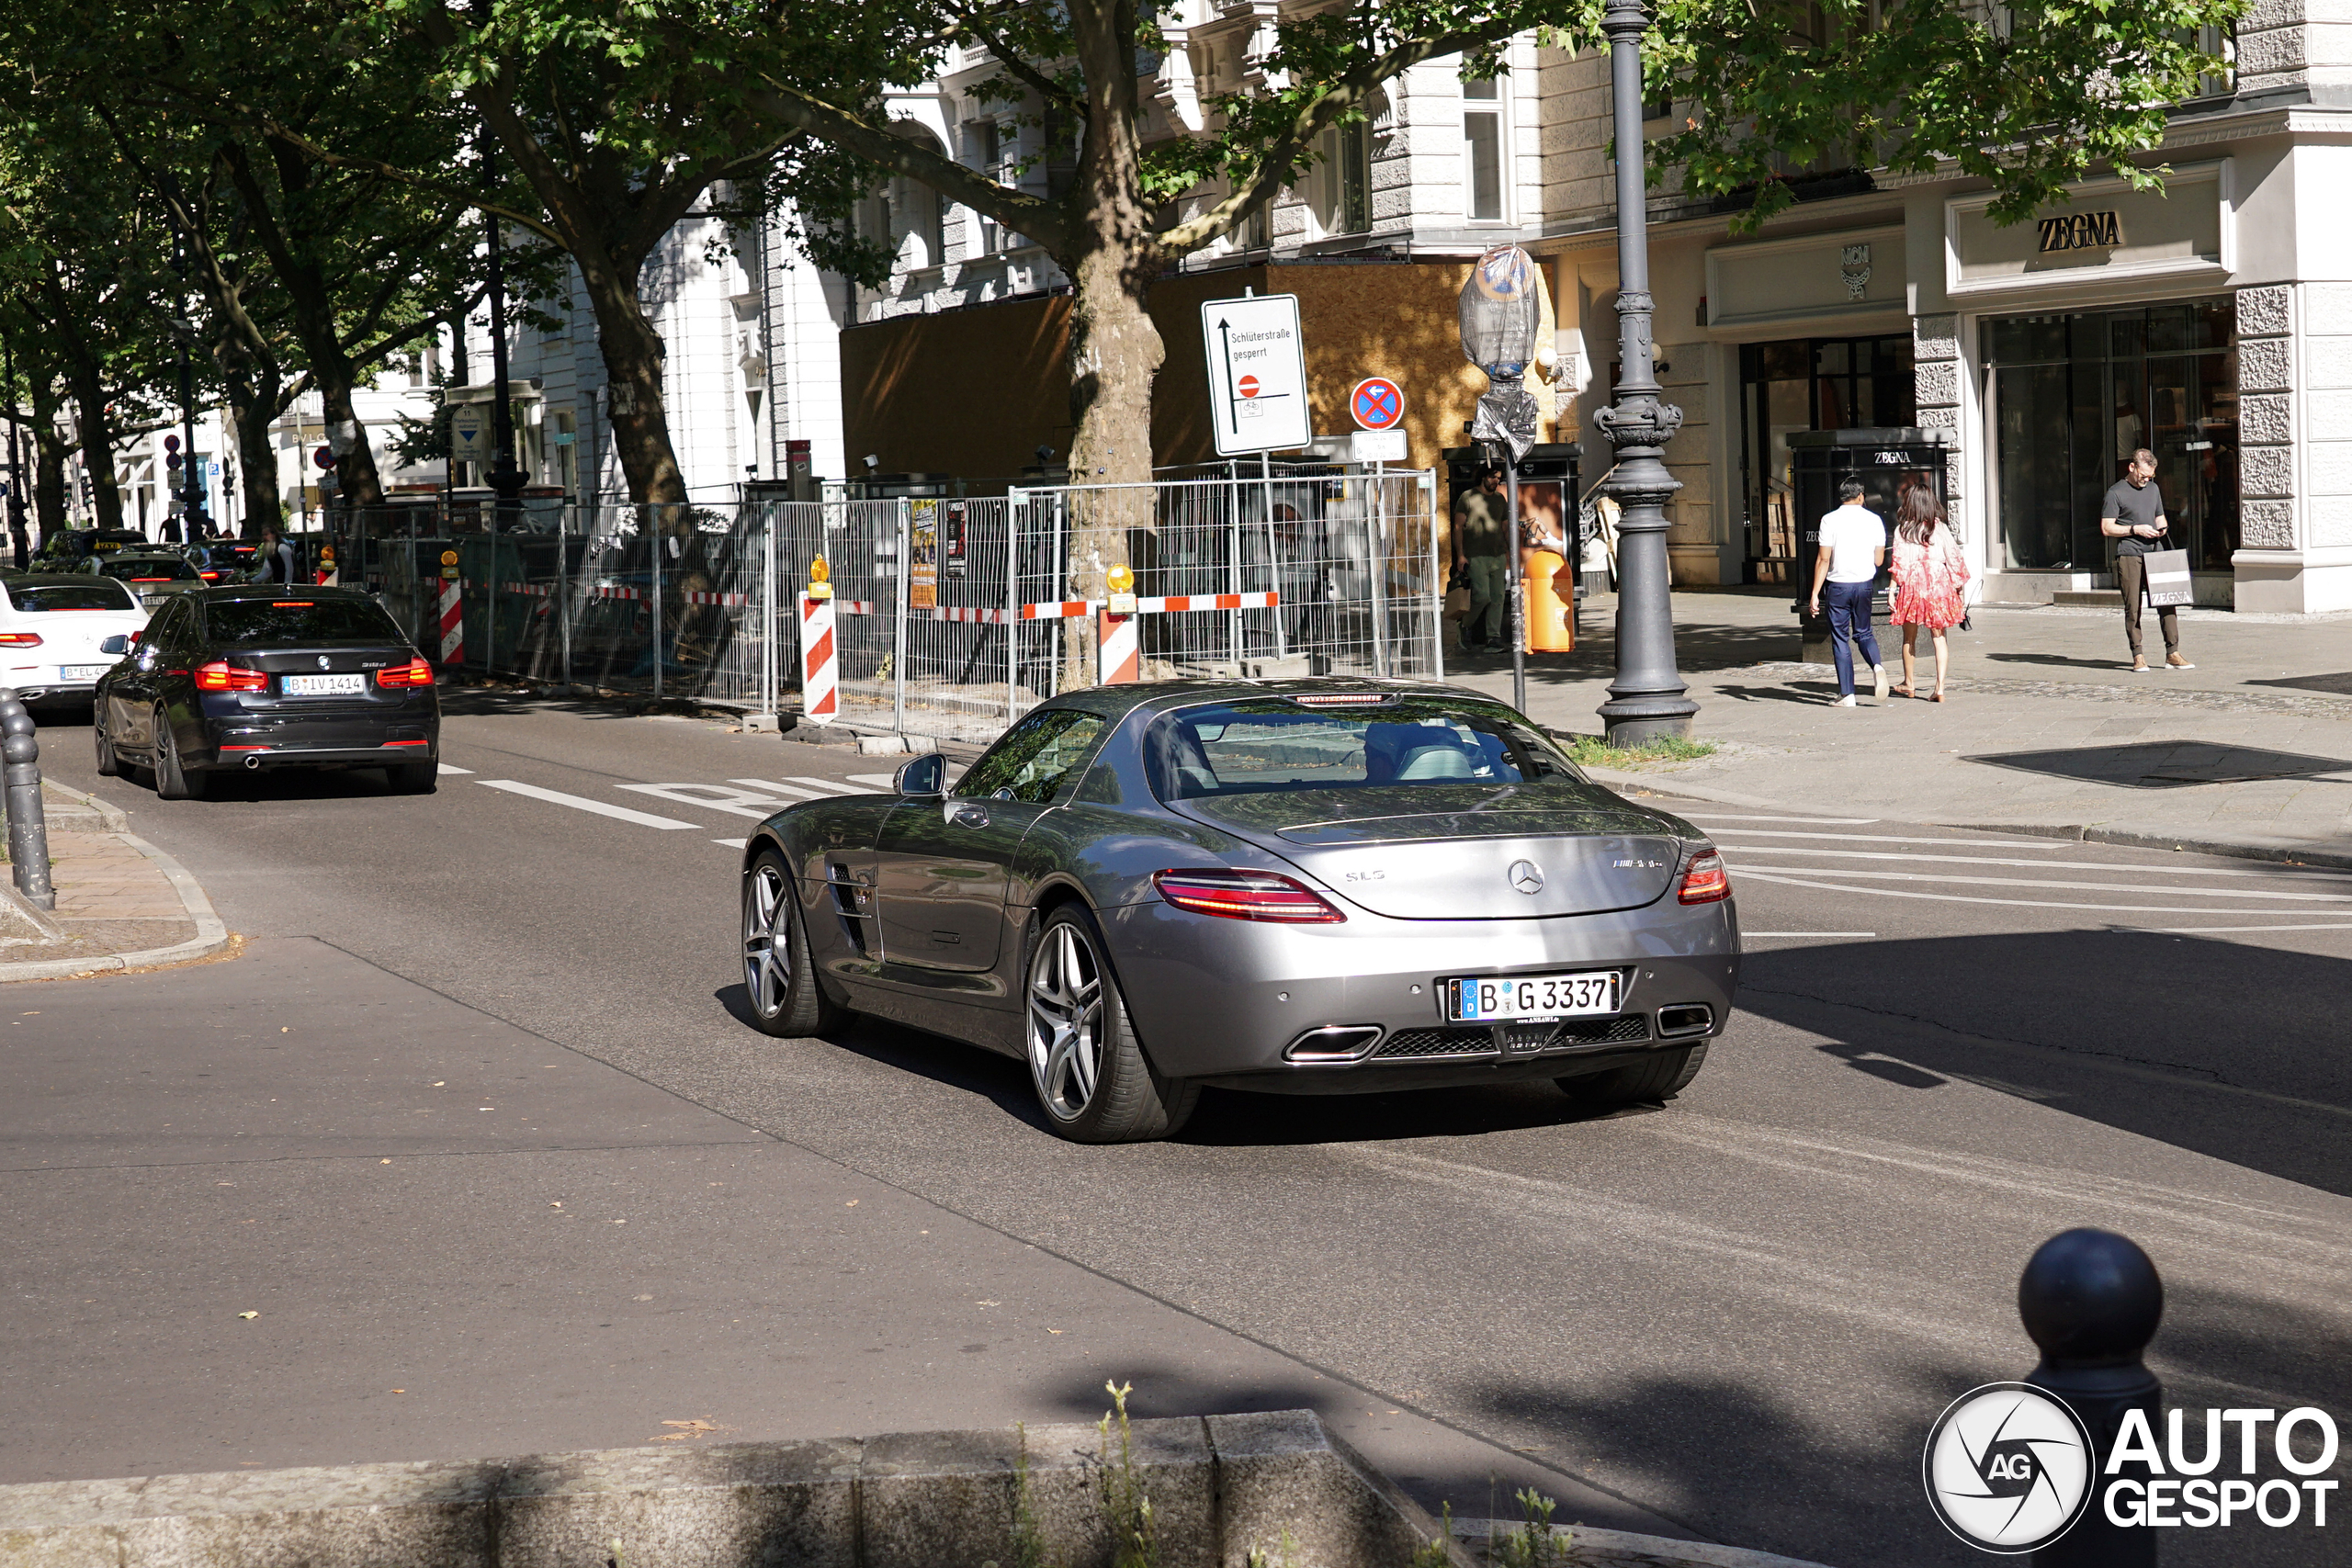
point(953, 615)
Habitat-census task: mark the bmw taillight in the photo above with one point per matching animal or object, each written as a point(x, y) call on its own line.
point(415, 673)
point(19, 639)
point(221, 676)
point(1246, 895)
point(1705, 880)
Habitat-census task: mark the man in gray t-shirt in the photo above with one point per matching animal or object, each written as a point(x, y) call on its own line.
point(2134, 515)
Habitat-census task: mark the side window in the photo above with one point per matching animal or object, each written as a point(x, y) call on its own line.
point(1034, 758)
point(156, 641)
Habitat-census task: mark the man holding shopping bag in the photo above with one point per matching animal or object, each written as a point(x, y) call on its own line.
point(2133, 514)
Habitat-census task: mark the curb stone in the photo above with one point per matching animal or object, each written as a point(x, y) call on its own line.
point(211, 935)
point(2128, 838)
point(1581, 1546)
point(111, 819)
point(1219, 1486)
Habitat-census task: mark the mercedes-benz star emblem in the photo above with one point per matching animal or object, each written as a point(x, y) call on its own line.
point(1527, 876)
point(322, 660)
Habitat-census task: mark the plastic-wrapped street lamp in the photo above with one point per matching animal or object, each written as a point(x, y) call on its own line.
point(1502, 310)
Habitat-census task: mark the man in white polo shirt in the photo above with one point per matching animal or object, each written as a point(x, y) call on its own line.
point(1853, 546)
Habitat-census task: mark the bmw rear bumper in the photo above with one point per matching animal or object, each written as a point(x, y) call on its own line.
point(1240, 1002)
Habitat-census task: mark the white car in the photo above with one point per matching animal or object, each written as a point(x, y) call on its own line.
point(51, 624)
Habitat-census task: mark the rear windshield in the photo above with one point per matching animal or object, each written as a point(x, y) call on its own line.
point(147, 568)
point(241, 623)
point(95, 594)
point(1272, 744)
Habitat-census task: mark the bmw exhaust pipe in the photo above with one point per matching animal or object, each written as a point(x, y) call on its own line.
point(253, 761)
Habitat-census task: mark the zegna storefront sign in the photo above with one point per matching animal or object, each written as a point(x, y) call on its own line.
point(2108, 233)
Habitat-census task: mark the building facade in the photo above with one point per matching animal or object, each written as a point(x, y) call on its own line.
point(2210, 321)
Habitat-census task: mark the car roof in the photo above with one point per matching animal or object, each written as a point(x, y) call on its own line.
point(1161, 696)
point(38, 579)
point(279, 589)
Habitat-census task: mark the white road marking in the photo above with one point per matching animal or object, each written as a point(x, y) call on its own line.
point(2069, 887)
point(1891, 839)
point(459, 773)
point(714, 797)
point(2043, 865)
point(1964, 899)
point(1725, 816)
point(579, 803)
point(785, 791)
point(731, 844)
point(1746, 934)
point(830, 787)
point(880, 781)
point(2201, 930)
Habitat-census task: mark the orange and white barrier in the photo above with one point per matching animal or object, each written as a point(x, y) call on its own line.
point(819, 662)
point(453, 620)
point(1170, 604)
point(1120, 650)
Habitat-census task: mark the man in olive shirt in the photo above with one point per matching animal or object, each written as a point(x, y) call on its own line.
point(1482, 548)
point(2133, 514)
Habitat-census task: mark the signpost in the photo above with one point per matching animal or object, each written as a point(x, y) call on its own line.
point(469, 437)
point(1378, 403)
point(1256, 363)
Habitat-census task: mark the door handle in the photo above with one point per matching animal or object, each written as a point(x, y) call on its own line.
point(968, 813)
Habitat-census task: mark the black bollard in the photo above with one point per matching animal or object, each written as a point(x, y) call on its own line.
point(28, 825)
point(2091, 1299)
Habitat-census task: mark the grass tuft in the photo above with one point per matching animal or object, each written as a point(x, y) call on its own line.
point(1594, 751)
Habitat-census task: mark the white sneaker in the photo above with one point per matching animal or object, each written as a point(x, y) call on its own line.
point(1845, 702)
point(1878, 678)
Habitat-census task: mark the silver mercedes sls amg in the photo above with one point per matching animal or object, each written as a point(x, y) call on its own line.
point(1305, 887)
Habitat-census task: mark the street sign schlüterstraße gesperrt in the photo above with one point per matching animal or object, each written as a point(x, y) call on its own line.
point(1257, 373)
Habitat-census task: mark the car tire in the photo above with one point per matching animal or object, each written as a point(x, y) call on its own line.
point(1659, 1076)
point(785, 998)
point(173, 781)
point(413, 778)
point(108, 767)
point(1092, 1078)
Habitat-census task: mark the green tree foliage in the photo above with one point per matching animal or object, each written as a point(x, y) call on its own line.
point(256, 124)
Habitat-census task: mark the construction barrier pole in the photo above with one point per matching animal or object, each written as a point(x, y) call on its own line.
point(651, 513)
point(819, 685)
point(453, 622)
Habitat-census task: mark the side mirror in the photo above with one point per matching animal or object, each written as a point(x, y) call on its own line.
point(117, 645)
point(925, 778)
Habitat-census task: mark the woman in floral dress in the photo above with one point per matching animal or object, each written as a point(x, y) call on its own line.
point(1930, 578)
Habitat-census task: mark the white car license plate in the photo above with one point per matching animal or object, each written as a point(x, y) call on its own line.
point(1488, 998)
point(324, 685)
point(82, 671)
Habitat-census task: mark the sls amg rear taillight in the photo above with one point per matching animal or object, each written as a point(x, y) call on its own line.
point(1705, 880)
point(1246, 895)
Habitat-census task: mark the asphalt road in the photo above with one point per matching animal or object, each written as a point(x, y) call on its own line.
point(1732, 1317)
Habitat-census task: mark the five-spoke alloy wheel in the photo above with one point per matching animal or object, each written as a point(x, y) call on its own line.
point(1091, 1074)
point(779, 979)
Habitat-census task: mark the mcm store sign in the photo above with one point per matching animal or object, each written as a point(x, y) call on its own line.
point(2107, 235)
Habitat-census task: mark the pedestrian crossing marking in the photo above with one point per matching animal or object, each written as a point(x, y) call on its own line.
point(581, 803)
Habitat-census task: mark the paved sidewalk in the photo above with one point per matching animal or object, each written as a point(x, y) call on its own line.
point(2046, 726)
point(121, 902)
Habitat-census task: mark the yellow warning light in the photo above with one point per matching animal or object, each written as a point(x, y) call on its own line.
point(819, 571)
point(1121, 580)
